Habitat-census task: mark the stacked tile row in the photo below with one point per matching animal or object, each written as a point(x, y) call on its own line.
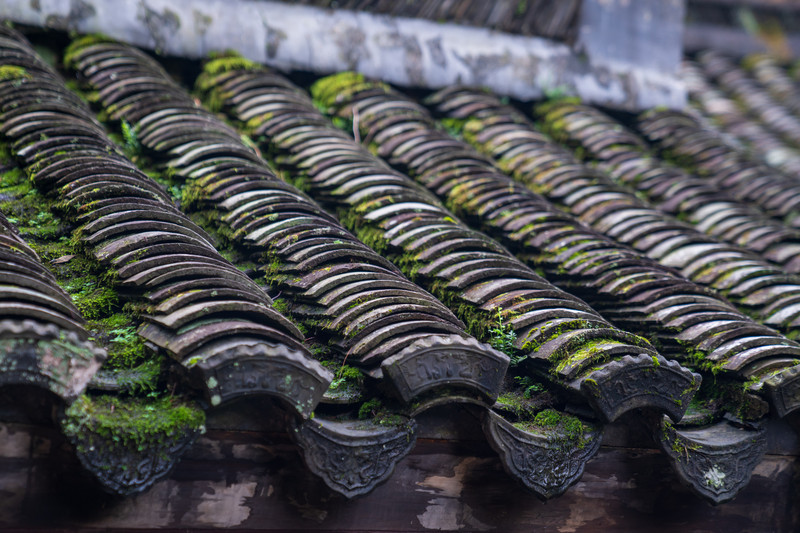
point(551, 326)
point(694, 320)
point(561, 336)
point(446, 160)
point(371, 312)
point(205, 313)
point(703, 321)
point(405, 134)
point(754, 284)
point(751, 181)
point(196, 307)
point(770, 74)
point(746, 178)
point(365, 310)
point(718, 108)
point(626, 157)
point(752, 95)
point(43, 342)
point(37, 110)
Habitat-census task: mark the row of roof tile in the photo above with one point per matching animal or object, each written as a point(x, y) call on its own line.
point(353, 288)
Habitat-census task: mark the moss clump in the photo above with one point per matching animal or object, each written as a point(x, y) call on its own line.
point(89, 284)
point(378, 413)
point(228, 62)
point(698, 359)
point(569, 428)
point(136, 423)
point(141, 379)
point(347, 383)
point(281, 305)
point(125, 348)
point(93, 299)
point(220, 63)
point(325, 90)
point(725, 394)
point(592, 350)
point(678, 444)
point(529, 386)
point(519, 405)
point(453, 126)
point(12, 72)
point(131, 146)
point(82, 42)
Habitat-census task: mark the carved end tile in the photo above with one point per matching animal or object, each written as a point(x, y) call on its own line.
point(716, 461)
point(48, 357)
point(783, 390)
point(228, 370)
point(545, 462)
point(643, 381)
point(129, 448)
point(440, 362)
point(353, 457)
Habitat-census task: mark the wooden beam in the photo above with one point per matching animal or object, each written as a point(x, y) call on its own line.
point(255, 480)
point(731, 41)
point(404, 51)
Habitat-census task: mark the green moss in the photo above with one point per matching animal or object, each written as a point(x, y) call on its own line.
point(131, 423)
point(325, 90)
point(527, 397)
point(132, 145)
point(93, 299)
point(126, 348)
point(343, 123)
point(281, 305)
point(220, 63)
point(570, 430)
point(375, 411)
point(347, 384)
point(592, 350)
point(697, 358)
point(111, 322)
point(529, 386)
point(547, 418)
point(12, 72)
point(728, 394)
point(679, 445)
point(229, 62)
point(363, 229)
point(82, 42)
point(453, 126)
point(139, 380)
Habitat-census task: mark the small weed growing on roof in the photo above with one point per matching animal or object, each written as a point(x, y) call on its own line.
point(370, 408)
point(132, 144)
point(347, 382)
point(502, 338)
point(529, 386)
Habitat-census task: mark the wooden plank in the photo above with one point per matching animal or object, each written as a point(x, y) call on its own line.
point(732, 41)
point(778, 4)
point(256, 480)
